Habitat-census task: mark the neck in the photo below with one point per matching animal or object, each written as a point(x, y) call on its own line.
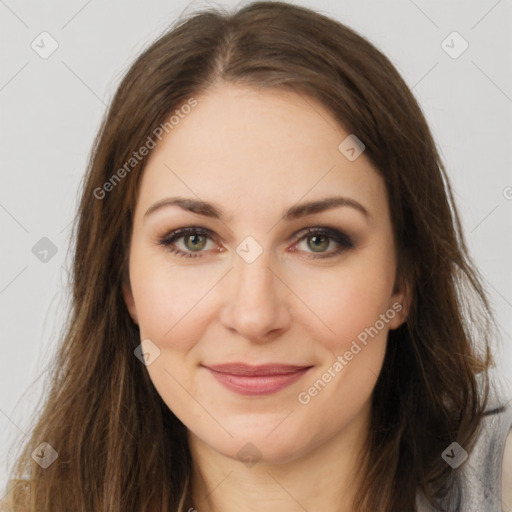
point(324, 478)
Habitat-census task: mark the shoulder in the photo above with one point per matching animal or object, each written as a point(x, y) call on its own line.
point(484, 480)
point(17, 497)
point(494, 454)
point(486, 476)
point(5, 506)
point(506, 473)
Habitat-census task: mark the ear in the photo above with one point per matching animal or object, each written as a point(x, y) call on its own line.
point(400, 302)
point(130, 303)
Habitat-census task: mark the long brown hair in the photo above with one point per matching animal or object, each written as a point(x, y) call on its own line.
point(119, 446)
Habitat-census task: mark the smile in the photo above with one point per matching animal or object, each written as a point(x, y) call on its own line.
point(247, 380)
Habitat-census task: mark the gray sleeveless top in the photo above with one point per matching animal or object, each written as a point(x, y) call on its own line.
point(479, 476)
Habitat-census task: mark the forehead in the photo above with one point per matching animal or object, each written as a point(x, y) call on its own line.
point(252, 149)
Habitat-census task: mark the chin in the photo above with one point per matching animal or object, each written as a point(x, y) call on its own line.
point(252, 451)
point(251, 444)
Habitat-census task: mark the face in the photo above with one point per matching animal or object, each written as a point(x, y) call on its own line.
point(258, 279)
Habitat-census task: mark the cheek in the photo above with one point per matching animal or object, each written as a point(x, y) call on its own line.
point(353, 301)
point(168, 300)
point(170, 304)
point(344, 302)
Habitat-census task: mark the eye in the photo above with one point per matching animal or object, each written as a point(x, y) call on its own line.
point(317, 239)
point(195, 239)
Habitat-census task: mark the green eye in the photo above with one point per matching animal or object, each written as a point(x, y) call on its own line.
point(197, 242)
point(318, 240)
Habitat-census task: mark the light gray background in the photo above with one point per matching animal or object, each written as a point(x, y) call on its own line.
point(51, 110)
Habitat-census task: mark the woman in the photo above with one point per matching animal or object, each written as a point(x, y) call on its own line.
point(273, 305)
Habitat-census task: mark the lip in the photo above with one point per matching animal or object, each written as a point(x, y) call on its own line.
point(256, 380)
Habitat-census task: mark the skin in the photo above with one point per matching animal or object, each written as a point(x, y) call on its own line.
point(256, 153)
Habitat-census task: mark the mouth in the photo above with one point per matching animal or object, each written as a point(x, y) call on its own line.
point(257, 380)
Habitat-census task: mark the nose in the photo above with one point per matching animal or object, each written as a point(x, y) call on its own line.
point(255, 305)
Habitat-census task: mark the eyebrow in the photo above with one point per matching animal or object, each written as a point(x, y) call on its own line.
point(294, 212)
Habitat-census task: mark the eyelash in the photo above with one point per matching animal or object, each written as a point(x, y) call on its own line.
point(333, 234)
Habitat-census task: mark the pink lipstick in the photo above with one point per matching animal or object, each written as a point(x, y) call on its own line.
point(256, 380)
